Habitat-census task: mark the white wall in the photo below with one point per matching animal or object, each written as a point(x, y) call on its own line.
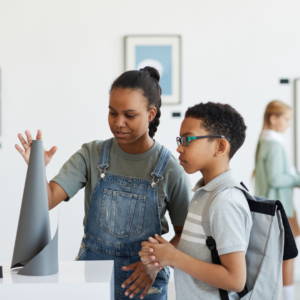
point(58, 59)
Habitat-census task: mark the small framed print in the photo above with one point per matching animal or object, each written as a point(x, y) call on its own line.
point(296, 122)
point(162, 52)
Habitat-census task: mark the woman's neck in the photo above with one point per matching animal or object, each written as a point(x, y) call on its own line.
point(141, 145)
point(270, 127)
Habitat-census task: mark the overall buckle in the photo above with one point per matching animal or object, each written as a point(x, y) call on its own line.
point(102, 171)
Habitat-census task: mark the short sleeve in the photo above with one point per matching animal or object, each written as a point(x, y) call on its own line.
point(74, 174)
point(230, 220)
point(179, 200)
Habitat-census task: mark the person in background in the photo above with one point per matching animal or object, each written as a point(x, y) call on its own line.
point(130, 182)
point(274, 176)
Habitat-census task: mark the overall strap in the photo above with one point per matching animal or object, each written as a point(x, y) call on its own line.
point(104, 157)
point(161, 166)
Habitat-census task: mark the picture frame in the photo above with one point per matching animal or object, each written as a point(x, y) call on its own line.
point(0, 111)
point(162, 52)
point(296, 96)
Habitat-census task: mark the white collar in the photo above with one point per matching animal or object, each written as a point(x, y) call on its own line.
point(272, 135)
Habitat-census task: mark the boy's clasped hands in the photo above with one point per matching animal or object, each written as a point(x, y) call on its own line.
point(157, 253)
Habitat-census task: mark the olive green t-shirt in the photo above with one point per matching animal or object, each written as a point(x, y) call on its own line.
point(174, 191)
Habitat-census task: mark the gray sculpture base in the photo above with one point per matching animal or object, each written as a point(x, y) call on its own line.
point(77, 280)
point(39, 265)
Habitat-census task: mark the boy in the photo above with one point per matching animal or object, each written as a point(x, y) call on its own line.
point(218, 131)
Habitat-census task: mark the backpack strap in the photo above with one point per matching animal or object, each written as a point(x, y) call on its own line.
point(210, 241)
point(213, 194)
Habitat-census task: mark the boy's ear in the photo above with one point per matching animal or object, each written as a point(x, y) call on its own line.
point(222, 147)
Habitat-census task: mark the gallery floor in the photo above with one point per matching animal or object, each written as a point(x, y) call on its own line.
point(171, 295)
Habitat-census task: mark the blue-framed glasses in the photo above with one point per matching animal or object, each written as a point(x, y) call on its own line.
point(185, 140)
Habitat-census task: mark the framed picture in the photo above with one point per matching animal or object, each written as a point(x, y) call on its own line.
point(296, 121)
point(162, 52)
point(0, 111)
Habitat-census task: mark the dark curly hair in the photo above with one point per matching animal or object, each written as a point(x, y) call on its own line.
point(145, 80)
point(221, 119)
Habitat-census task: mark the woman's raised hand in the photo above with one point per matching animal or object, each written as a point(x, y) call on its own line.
point(27, 147)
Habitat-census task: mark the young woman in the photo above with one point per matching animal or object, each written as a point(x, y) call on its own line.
point(274, 177)
point(130, 181)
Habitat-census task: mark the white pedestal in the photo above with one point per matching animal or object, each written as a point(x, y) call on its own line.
point(75, 280)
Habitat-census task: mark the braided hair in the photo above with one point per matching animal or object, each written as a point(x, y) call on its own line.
point(145, 80)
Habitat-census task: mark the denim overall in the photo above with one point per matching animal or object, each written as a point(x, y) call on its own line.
point(122, 213)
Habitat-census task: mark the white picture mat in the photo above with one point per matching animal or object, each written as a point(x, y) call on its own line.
point(131, 42)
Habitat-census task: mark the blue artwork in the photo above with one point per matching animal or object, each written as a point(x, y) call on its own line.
point(159, 57)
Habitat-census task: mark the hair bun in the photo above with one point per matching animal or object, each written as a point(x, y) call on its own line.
point(152, 72)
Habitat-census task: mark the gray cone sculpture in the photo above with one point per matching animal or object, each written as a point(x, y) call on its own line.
point(34, 250)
